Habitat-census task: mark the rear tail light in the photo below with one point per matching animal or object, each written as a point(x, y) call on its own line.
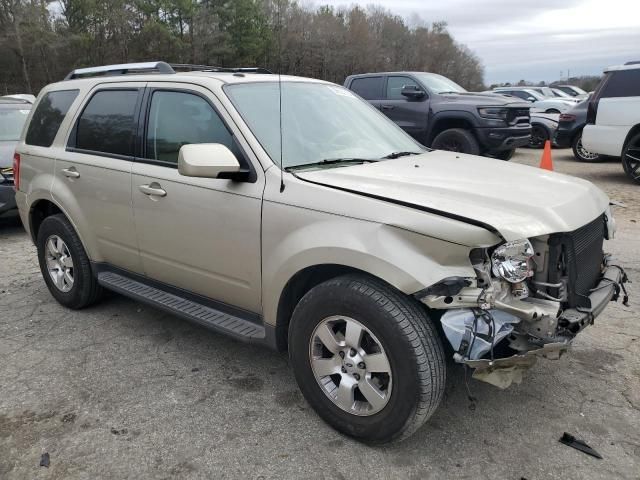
point(567, 117)
point(16, 171)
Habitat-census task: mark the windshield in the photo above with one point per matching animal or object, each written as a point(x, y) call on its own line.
point(319, 122)
point(11, 122)
point(439, 84)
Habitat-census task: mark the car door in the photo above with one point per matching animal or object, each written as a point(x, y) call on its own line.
point(94, 173)
point(198, 234)
point(408, 113)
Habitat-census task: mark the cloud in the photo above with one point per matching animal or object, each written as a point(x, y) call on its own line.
point(533, 40)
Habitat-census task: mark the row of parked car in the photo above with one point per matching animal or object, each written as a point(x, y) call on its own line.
point(441, 114)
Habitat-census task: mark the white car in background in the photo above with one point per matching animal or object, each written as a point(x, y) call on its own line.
point(613, 117)
point(540, 103)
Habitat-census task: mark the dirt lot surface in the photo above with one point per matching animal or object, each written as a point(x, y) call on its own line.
point(121, 390)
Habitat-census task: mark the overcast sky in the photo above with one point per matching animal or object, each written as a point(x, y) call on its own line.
point(532, 39)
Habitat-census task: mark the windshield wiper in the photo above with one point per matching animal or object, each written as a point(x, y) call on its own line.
point(333, 161)
point(393, 155)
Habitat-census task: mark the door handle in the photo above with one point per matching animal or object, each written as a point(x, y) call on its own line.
point(388, 107)
point(153, 189)
point(70, 172)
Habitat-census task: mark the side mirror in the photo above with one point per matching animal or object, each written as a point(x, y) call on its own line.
point(208, 160)
point(531, 99)
point(412, 91)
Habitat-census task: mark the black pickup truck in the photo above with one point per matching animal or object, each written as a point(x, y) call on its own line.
point(441, 114)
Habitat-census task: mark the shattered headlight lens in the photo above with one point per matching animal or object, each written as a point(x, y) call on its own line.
point(512, 261)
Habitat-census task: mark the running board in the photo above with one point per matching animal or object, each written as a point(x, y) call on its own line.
point(209, 317)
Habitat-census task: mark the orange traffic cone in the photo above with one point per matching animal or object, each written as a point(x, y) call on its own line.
point(546, 161)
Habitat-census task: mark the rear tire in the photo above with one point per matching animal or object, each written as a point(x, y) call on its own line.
point(582, 154)
point(631, 158)
point(456, 140)
point(392, 324)
point(64, 264)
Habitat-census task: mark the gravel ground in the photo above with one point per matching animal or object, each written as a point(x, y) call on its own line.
point(121, 390)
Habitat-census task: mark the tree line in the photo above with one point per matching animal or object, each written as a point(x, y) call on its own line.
point(42, 40)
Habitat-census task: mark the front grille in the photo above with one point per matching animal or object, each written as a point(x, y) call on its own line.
point(517, 116)
point(577, 258)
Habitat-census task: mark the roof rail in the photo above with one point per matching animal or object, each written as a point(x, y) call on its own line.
point(212, 68)
point(635, 62)
point(121, 69)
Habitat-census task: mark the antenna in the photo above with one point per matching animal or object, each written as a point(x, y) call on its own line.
point(280, 93)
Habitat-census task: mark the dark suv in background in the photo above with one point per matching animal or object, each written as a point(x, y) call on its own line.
point(441, 114)
point(569, 133)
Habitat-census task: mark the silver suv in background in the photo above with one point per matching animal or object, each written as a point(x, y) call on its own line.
point(290, 213)
point(13, 114)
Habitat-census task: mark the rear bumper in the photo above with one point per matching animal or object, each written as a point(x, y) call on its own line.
point(7, 197)
point(563, 139)
point(503, 138)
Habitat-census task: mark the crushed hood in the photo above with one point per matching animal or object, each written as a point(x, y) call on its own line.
point(516, 200)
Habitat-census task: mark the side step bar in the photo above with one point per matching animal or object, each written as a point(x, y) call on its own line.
point(217, 320)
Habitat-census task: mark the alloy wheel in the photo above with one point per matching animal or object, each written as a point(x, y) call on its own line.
point(632, 161)
point(584, 153)
point(350, 365)
point(59, 263)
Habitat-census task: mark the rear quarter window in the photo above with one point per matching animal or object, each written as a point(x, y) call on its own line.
point(369, 88)
point(48, 117)
point(622, 83)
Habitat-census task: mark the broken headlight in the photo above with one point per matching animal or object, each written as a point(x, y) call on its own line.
point(512, 261)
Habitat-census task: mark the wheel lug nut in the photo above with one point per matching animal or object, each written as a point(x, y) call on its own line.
point(362, 366)
point(356, 376)
point(353, 352)
point(341, 354)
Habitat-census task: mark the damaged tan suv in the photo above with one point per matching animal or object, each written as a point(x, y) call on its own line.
point(288, 212)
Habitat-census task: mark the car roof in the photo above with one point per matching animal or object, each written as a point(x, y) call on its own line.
point(626, 66)
point(187, 77)
point(375, 74)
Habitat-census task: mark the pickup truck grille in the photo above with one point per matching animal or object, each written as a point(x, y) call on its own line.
point(518, 116)
point(577, 258)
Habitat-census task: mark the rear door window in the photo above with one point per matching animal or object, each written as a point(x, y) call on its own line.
point(108, 123)
point(369, 88)
point(48, 117)
point(622, 83)
point(179, 118)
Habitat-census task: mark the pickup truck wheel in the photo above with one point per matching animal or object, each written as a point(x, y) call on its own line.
point(631, 158)
point(367, 358)
point(456, 140)
point(582, 154)
point(505, 155)
point(64, 264)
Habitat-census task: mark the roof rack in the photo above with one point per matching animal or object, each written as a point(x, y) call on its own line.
point(211, 68)
point(154, 67)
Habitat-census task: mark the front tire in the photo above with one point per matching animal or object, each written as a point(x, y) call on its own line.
point(64, 264)
point(456, 140)
point(367, 358)
point(582, 154)
point(505, 155)
point(631, 158)
point(539, 135)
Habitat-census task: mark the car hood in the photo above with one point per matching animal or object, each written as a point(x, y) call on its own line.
point(515, 200)
point(6, 153)
point(482, 99)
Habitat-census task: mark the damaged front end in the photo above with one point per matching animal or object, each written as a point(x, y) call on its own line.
point(530, 298)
